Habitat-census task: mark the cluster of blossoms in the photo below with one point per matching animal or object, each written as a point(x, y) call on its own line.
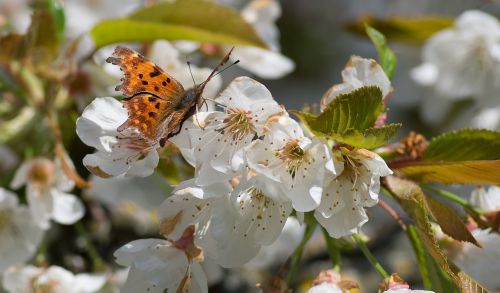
point(47, 188)
point(254, 166)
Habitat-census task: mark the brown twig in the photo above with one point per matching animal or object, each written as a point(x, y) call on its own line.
point(392, 213)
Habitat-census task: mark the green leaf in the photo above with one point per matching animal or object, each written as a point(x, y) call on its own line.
point(480, 172)
point(404, 29)
point(369, 138)
point(464, 145)
point(413, 201)
point(356, 110)
point(349, 119)
point(386, 56)
point(195, 20)
point(449, 221)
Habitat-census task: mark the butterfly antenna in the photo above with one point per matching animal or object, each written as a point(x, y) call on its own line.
point(226, 68)
point(221, 63)
point(191, 72)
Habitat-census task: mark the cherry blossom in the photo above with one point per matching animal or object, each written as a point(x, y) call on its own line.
point(342, 208)
point(217, 139)
point(357, 73)
point(298, 166)
point(159, 266)
point(47, 188)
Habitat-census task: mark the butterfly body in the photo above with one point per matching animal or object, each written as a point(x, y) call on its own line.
point(156, 102)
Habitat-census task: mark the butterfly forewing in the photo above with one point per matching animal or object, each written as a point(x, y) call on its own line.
point(142, 75)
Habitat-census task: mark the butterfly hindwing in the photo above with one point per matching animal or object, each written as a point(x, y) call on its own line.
point(142, 75)
point(147, 114)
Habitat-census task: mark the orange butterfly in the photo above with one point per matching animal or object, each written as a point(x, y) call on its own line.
point(157, 103)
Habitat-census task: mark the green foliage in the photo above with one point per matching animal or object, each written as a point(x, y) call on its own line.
point(386, 56)
point(349, 119)
point(195, 20)
point(433, 277)
point(464, 145)
point(415, 204)
point(404, 29)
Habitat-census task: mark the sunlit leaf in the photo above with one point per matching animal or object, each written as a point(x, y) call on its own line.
point(386, 57)
point(195, 20)
point(465, 145)
point(449, 221)
point(481, 172)
point(369, 138)
point(42, 41)
point(357, 110)
point(404, 29)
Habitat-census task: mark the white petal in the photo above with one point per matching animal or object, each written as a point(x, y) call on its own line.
point(345, 222)
point(125, 255)
point(488, 201)
point(263, 63)
point(19, 279)
point(67, 208)
point(90, 283)
point(145, 166)
point(325, 288)
point(101, 118)
point(103, 165)
point(199, 280)
point(40, 204)
point(20, 178)
point(425, 74)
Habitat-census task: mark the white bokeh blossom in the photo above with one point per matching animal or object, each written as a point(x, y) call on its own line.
point(463, 61)
point(486, 200)
point(215, 141)
point(19, 232)
point(54, 279)
point(47, 188)
point(117, 153)
point(342, 209)
point(298, 166)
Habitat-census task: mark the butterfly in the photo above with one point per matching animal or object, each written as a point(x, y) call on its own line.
point(156, 102)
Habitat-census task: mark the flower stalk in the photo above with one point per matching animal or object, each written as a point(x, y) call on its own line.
point(297, 254)
point(376, 265)
point(333, 250)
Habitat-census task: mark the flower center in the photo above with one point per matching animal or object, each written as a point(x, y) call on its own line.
point(5, 219)
point(41, 173)
point(47, 287)
point(237, 124)
point(293, 156)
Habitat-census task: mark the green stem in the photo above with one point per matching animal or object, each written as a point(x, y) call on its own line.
point(419, 250)
point(333, 250)
point(378, 267)
point(98, 263)
point(297, 254)
point(453, 197)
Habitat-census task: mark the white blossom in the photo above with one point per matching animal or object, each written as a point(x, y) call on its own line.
point(117, 153)
point(19, 232)
point(342, 208)
point(31, 279)
point(357, 73)
point(325, 288)
point(159, 266)
point(217, 139)
point(297, 165)
point(463, 61)
point(47, 188)
point(232, 224)
point(487, 200)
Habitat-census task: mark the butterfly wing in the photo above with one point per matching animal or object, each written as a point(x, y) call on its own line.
point(147, 114)
point(152, 95)
point(142, 75)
